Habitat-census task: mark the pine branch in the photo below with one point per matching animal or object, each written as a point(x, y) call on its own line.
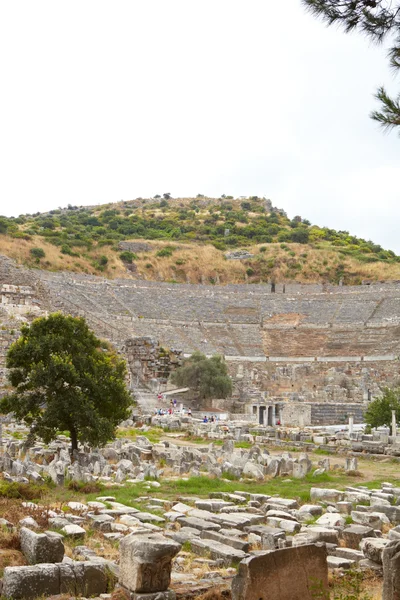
point(390, 115)
point(369, 16)
point(376, 19)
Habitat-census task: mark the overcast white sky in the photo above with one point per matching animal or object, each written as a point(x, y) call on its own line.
point(103, 101)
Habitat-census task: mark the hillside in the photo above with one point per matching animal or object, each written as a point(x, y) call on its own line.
point(191, 240)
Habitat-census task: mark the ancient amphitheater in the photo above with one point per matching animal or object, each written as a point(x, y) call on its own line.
point(298, 353)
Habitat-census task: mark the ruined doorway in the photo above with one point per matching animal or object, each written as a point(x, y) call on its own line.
point(262, 415)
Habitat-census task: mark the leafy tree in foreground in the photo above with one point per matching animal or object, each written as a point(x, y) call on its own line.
point(379, 411)
point(65, 378)
point(207, 377)
point(378, 19)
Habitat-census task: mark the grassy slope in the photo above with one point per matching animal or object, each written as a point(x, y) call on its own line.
point(193, 231)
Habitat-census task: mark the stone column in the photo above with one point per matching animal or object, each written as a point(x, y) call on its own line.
point(394, 424)
point(351, 423)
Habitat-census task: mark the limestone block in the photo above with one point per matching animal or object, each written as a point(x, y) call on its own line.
point(287, 574)
point(316, 533)
point(91, 579)
point(394, 534)
point(373, 519)
point(353, 535)
point(331, 520)
point(31, 582)
point(300, 470)
point(313, 509)
point(273, 468)
point(41, 547)
point(252, 470)
point(391, 571)
point(373, 548)
point(351, 464)
point(74, 531)
point(349, 553)
point(326, 495)
point(145, 562)
point(338, 562)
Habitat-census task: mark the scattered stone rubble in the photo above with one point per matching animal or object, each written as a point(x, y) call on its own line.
point(356, 527)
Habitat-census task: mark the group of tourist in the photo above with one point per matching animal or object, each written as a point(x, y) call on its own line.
point(212, 419)
point(173, 404)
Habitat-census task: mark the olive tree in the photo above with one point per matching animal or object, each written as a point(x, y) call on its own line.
point(207, 377)
point(65, 378)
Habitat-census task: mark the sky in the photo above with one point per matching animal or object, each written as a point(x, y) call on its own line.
point(107, 101)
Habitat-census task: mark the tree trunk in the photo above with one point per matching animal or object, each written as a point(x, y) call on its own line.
point(74, 440)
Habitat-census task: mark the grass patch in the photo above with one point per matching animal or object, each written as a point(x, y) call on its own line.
point(322, 452)
point(154, 434)
point(91, 487)
point(22, 491)
point(243, 445)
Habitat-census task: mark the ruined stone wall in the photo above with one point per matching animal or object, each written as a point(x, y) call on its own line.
point(316, 381)
point(149, 361)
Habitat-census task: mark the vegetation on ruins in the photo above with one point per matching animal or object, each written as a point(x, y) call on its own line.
point(206, 377)
point(378, 20)
point(379, 411)
point(65, 378)
point(187, 239)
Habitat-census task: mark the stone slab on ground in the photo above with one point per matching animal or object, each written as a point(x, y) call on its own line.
point(217, 551)
point(76, 578)
point(227, 540)
point(337, 562)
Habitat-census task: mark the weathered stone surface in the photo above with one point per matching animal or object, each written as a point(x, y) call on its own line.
point(373, 519)
point(349, 553)
point(74, 531)
point(391, 571)
point(337, 562)
point(373, 548)
point(217, 550)
point(77, 578)
point(353, 535)
point(31, 582)
point(224, 539)
point(331, 520)
point(145, 562)
point(286, 574)
point(41, 547)
point(326, 495)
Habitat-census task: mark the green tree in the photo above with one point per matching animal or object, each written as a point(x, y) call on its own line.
point(37, 253)
point(127, 256)
point(65, 378)
point(379, 20)
point(3, 224)
point(207, 377)
point(379, 411)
